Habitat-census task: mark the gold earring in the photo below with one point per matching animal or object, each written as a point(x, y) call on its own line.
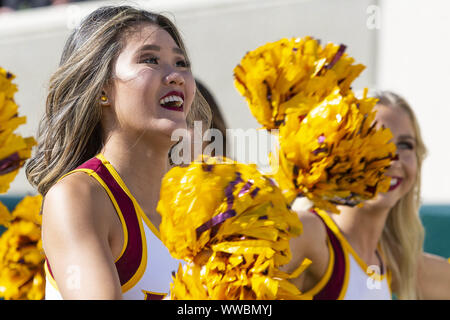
point(103, 98)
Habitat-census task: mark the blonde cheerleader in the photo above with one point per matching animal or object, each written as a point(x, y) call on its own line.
point(376, 250)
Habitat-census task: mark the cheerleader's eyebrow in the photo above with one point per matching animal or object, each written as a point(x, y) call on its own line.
point(406, 138)
point(153, 47)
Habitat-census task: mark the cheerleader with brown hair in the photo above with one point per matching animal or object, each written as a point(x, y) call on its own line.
point(124, 84)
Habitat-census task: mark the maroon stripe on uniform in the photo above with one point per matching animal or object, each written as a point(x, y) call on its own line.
point(129, 262)
point(334, 285)
point(49, 269)
point(154, 296)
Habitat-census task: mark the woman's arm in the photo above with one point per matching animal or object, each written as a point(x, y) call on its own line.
point(75, 232)
point(311, 244)
point(434, 277)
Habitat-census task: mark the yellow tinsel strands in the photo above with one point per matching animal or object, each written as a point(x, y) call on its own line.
point(232, 225)
point(21, 255)
point(14, 149)
point(330, 148)
point(334, 155)
point(292, 75)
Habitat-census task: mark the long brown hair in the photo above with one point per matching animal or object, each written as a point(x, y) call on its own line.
point(403, 235)
point(70, 131)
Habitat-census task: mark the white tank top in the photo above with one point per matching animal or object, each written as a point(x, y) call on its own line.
point(347, 276)
point(144, 266)
point(364, 286)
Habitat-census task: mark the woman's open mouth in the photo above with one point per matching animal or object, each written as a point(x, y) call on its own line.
point(395, 182)
point(173, 100)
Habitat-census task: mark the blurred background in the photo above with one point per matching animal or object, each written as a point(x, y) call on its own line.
point(403, 44)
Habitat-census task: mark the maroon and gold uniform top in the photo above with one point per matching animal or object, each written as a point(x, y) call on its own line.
point(347, 276)
point(144, 265)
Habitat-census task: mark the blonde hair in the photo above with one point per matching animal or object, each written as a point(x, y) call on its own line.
point(70, 131)
point(403, 235)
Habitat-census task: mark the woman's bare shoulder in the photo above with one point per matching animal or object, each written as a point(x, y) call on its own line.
point(75, 203)
point(434, 277)
point(310, 244)
point(314, 231)
point(76, 225)
point(77, 189)
point(314, 235)
point(77, 182)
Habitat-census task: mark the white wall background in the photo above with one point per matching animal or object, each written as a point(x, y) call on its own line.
point(403, 43)
point(413, 59)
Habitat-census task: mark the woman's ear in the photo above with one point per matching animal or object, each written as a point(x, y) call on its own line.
point(104, 99)
point(106, 96)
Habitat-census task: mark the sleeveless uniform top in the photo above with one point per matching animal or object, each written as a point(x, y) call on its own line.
point(347, 276)
point(144, 265)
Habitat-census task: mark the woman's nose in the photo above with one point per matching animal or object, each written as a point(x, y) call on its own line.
point(174, 78)
point(396, 160)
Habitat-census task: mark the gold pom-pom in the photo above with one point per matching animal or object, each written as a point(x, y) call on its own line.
point(21, 254)
point(334, 155)
point(14, 149)
point(292, 75)
point(232, 225)
point(330, 148)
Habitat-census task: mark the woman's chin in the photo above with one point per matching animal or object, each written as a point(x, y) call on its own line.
point(384, 200)
point(167, 130)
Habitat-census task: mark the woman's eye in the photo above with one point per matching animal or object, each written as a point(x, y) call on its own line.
point(405, 145)
point(182, 64)
point(151, 60)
